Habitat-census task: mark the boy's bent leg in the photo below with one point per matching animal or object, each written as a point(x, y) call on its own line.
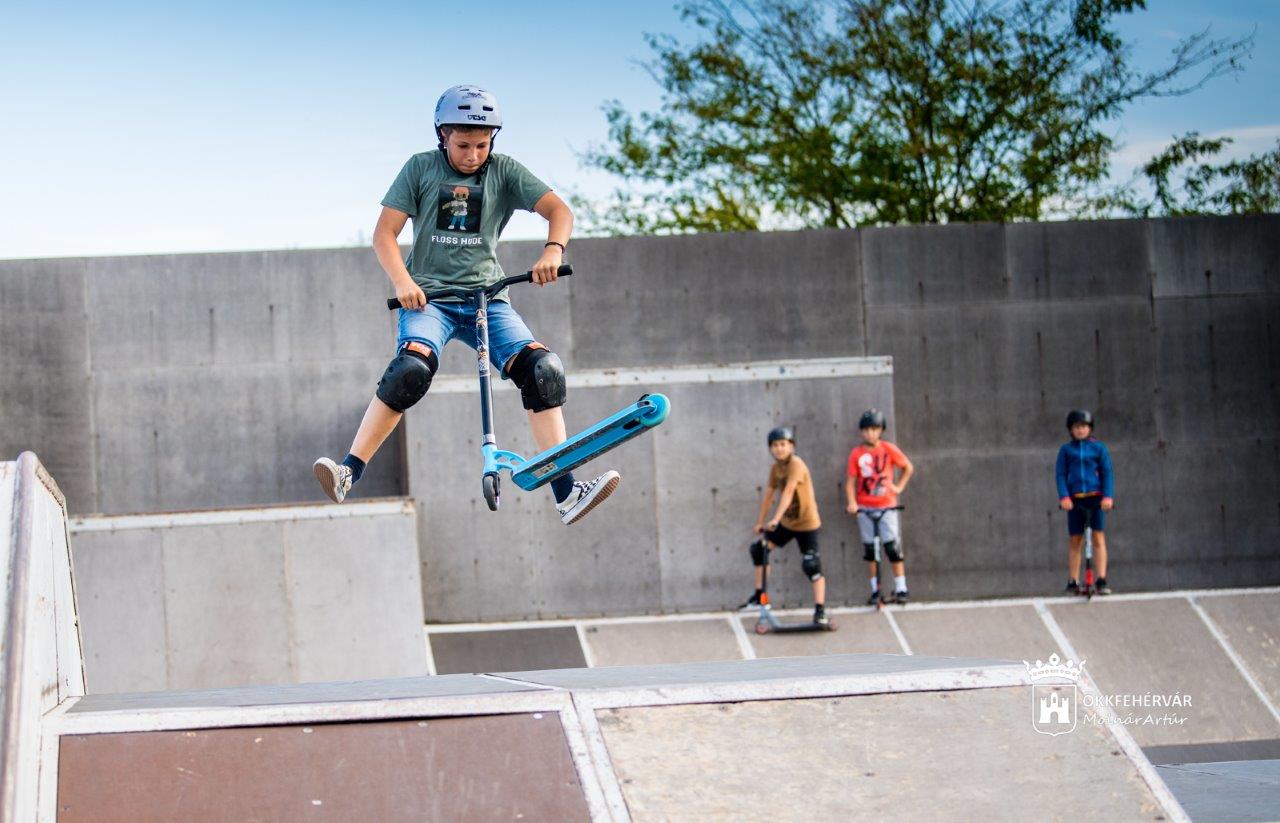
point(336, 479)
point(376, 426)
point(405, 381)
point(539, 375)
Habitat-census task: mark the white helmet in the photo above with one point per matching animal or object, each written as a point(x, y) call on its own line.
point(468, 106)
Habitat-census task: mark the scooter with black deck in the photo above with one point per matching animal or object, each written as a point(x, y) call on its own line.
point(768, 622)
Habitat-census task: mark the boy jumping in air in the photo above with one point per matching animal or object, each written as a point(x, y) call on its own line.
point(1086, 489)
point(871, 493)
point(796, 516)
point(460, 197)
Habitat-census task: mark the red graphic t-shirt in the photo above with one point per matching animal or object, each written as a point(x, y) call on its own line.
point(872, 468)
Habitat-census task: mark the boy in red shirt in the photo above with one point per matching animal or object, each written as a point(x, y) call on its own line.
point(870, 492)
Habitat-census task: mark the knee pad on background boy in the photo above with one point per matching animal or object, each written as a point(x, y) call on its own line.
point(811, 564)
point(758, 551)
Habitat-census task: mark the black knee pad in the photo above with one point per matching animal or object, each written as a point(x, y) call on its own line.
point(892, 552)
point(811, 564)
point(407, 379)
point(869, 552)
point(539, 374)
point(758, 551)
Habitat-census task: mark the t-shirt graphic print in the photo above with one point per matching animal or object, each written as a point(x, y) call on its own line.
point(460, 208)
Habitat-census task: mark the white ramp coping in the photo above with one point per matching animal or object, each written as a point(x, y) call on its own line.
point(760, 370)
point(456, 695)
point(381, 507)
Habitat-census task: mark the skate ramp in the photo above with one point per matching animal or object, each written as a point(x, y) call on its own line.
point(41, 666)
point(819, 738)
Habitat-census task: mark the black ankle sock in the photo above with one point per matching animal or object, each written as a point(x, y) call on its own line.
point(819, 608)
point(561, 487)
point(356, 465)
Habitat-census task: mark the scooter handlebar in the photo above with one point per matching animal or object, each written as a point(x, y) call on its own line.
point(527, 277)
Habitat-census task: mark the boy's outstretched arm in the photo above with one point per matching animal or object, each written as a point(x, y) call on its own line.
point(560, 225)
point(764, 509)
point(386, 245)
point(784, 501)
point(850, 495)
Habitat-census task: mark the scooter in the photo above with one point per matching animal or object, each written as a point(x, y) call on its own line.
point(647, 412)
point(875, 520)
point(768, 621)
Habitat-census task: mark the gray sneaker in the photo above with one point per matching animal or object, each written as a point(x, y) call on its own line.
point(334, 478)
point(586, 496)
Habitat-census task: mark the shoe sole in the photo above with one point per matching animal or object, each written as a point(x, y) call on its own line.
point(328, 480)
point(601, 496)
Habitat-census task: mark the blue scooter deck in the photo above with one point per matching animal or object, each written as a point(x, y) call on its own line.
point(647, 412)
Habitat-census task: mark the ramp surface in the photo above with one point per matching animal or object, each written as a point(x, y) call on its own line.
point(915, 738)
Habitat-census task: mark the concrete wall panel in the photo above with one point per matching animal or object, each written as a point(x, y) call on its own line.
point(269, 599)
point(1220, 525)
point(1201, 256)
point(934, 265)
point(120, 597)
point(44, 372)
point(241, 568)
point(351, 585)
point(1218, 367)
point(200, 452)
point(237, 308)
point(1078, 261)
point(716, 298)
point(1005, 375)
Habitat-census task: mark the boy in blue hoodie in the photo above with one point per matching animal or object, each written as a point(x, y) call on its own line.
point(1085, 492)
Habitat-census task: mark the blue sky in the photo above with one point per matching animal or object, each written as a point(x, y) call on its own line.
point(140, 127)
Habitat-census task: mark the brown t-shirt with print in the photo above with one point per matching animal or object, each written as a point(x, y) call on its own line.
point(802, 514)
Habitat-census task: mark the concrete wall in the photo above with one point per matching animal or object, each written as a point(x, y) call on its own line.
point(1166, 329)
point(191, 381)
point(293, 594)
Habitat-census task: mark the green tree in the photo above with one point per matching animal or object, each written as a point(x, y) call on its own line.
point(806, 113)
point(1182, 183)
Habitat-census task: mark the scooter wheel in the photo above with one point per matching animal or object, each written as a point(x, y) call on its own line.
point(762, 628)
point(489, 484)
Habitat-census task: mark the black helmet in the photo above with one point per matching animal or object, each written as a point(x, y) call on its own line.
point(871, 418)
point(1079, 416)
point(782, 433)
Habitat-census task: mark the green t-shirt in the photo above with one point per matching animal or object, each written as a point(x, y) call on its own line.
point(456, 222)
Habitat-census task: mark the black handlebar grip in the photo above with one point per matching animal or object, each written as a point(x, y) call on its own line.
point(564, 271)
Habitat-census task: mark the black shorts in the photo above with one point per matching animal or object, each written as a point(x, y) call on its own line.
point(781, 536)
point(1086, 511)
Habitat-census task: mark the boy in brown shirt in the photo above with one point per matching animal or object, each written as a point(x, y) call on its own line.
point(796, 516)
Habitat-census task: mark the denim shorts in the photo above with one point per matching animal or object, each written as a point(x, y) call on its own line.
point(439, 323)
